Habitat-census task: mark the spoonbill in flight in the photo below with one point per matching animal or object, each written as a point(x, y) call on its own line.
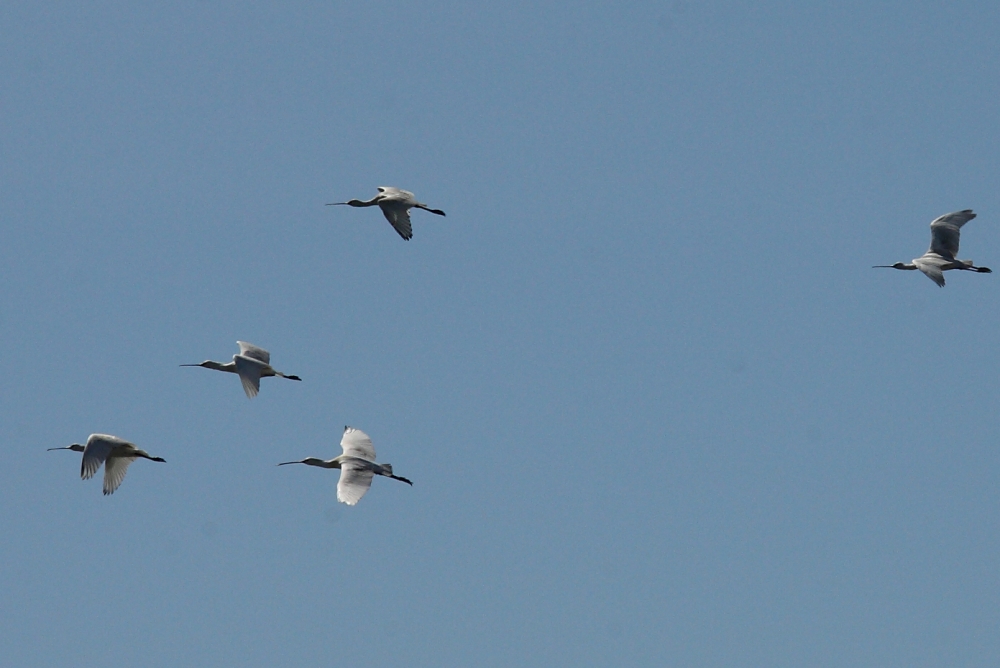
point(395, 204)
point(115, 453)
point(251, 364)
point(940, 257)
point(357, 466)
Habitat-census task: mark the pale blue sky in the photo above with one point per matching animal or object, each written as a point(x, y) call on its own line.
point(657, 408)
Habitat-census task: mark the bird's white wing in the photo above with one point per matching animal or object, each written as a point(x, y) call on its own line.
point(399, 218)
point(97, 450)
point(114, 472)
point(930, 264)
point(391, 192)
point(249, 370)
point(252, 351)
point(354, 482)
point(356, 443)
point(946, 230)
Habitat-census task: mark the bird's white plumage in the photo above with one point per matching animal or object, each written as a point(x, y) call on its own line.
point(355, 481)
point(399, 218)
point(946, 232)
point(393, 193)
point(250, 364)
point(99, 447)
point(357, 466)
point(91, 463)
point(941, 256)
point(395, 204)
point(254, 352)
point(357, 443)
point(114, 472)
point(114, 453)
point(249, 370)
point(932, 265)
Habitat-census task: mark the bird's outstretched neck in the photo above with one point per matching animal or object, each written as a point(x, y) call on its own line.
point(898, 265)
point(315, 461)
point(217, 366)
point(355, 202)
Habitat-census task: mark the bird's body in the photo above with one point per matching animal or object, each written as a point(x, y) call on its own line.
point(115, 453)
point(940, 257)
point(395, 204)
point(251, 364)
point(357, 466)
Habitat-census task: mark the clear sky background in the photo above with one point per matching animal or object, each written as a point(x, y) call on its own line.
point(657, 407)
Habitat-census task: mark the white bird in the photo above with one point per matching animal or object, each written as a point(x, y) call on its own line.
point(115, 453)
point(940, 257)
point(251, 364)
point(357, 466)
point(395, 204)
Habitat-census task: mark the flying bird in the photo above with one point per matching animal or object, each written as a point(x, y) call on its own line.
point(357, 466)
point(115, 453)
point(395, 204)
point(252, 364)
point(940, 257)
